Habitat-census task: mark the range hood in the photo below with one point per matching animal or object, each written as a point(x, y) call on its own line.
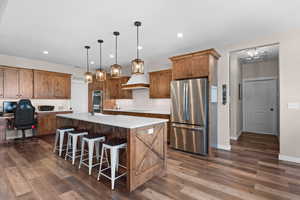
point(136, 81)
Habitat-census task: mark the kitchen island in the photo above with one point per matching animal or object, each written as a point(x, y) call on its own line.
point(146, 141)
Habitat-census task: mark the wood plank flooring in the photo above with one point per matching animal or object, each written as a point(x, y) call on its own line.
point(250, 171)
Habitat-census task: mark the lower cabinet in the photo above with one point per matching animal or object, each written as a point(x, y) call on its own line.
point(46, 122)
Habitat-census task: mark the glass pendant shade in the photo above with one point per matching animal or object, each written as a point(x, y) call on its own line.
point(100, 75)
point(115, 70)
point(137, 66)
point(88, 77)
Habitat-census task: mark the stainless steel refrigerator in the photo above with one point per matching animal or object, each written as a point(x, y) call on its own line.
point(189, 115)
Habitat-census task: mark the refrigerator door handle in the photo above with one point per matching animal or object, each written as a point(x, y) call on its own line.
point(184, 102)
point(191, 127)
point(187, 107)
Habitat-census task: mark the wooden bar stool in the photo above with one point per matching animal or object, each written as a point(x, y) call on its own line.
point(72, 142)
point(59, 137)
point(92, 141)
point(114, 145)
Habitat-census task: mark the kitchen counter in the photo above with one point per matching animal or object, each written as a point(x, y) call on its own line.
point(53, 111)
point(146, 154)
point(161, 112)
point(122, 121)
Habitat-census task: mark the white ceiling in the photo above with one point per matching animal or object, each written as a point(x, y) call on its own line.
point(63, 27)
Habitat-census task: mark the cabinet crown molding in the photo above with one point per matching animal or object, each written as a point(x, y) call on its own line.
point(212, 52)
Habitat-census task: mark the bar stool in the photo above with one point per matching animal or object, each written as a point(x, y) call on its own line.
point(73, 138)
point(60, 135)
point(92, 141)
point(114, 145)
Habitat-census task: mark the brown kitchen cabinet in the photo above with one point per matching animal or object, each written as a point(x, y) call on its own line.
point(46, 122)
point(26, 83)
point(193, 65)
point(17, 83)
point(124, 94)
point(115, 90)
point(51, 85)
point(160, 83)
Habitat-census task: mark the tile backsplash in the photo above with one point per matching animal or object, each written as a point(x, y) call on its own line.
point(142, 101)
point(60, 104)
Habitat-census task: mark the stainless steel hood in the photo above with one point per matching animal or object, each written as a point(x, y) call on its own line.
point(136, 81)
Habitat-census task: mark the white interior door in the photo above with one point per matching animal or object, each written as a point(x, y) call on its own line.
point(260, 106)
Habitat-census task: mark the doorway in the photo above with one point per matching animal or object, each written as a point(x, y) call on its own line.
point(254, 92)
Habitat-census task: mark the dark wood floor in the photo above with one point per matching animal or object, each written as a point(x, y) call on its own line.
point(250, 171)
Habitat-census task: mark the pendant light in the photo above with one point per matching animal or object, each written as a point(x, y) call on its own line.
point(88, 75)
point(100, 73)
point(115, 69)
point(137, 65)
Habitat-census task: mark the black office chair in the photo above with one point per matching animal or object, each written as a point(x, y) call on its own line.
point(24, 117)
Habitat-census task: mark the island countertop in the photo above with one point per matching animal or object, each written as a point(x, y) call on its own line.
point(123, 121)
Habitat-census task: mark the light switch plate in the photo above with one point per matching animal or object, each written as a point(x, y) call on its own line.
point(150, 131)
point(294, 106)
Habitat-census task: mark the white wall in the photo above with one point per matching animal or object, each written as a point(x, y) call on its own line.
point(236, 117)
point(77, 73)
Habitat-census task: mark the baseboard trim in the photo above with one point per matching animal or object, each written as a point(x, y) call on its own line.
point(236, 137)
point(224, 147)
point(289, 158)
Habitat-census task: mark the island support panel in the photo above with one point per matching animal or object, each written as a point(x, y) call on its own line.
point(146, 155)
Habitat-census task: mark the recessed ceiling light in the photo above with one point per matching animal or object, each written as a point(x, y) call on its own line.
point(180, 35)
point(92, 62)
point(111, 55)
point(45, 52)
point(140, 47)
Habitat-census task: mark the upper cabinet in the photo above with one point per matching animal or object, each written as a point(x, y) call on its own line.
point(193, 65)
point(51, 85)
point(26, 83)
point(114, 89)
point(16, 83)
point(160, 83)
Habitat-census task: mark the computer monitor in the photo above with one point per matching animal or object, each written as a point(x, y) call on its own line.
point(9, 106)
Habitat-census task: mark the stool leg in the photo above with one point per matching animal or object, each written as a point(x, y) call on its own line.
point(91, 153)
point(106, 156)
point(97, 150)
point(61, 141)
point(74, 148)
point(101, 161)
point(82, 152)
point(113, 160)
point(117, 160)
point(67, 148)
point(55, 142)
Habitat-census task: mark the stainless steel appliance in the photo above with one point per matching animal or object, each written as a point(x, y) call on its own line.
point(97, 101)
point(189, 115)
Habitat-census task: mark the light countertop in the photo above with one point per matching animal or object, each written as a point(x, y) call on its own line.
point(123, 121)
point(161, 112)
point(53, 111)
